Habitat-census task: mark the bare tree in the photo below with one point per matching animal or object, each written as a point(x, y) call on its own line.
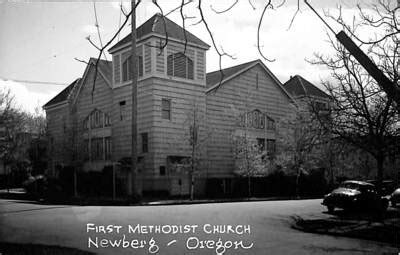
point(300, 137)
point(12, 127)
point(251, 158)
point(362, 113)
point(251, 155)
point(197, 137)
point(382, 20)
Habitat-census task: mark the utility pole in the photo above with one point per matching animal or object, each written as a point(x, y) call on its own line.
point(383, 81)
point(194, 143)
point(134, 69)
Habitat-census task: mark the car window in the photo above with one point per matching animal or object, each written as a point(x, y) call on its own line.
point(350, 185)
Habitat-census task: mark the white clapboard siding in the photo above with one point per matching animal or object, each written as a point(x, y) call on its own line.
point(237, 96)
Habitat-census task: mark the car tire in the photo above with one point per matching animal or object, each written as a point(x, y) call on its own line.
point(331, 209)
point(385, 205)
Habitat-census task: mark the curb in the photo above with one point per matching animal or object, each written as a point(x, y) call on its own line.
point(367, 230)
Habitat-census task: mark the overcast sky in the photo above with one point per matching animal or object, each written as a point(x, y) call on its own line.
point(39, 40)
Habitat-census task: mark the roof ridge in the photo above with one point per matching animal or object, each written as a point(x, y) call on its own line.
point(226, 68)
point(156, 16)
point(302, 84)
point(151, 27)
point(63, 94)
point(297, 85)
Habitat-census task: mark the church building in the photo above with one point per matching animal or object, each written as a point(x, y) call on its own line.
point(184, 114)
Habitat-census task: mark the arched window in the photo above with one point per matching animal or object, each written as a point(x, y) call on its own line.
point(257, 119)
point(96, 119)
point(126, 68)
point(180, 65)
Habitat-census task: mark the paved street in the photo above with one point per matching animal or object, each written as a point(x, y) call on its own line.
point(269, 231)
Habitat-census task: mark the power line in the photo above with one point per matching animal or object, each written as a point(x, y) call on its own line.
point(35, 82)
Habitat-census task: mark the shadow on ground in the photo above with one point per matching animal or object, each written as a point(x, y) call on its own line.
point(357, 224)
point(38, 249)
point(390, 213)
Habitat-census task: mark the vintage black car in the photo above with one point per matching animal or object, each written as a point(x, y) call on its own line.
point(395, 197)
point(355, 195)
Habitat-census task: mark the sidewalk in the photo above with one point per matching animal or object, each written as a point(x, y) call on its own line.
point(16, 193)
point(217, 200)
point(355, 225)
point(20, 193)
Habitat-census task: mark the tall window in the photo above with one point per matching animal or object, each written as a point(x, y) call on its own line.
point(107, 147)
point(122, 109)
point(126, 68)
point(180, 65)
point(166, 108)
point(162, 170)
point(261, 143)
point(271, 147)
point(145, 142)
point(86, 149)
point(256, 80)
point(270, 124)
point(97, 148)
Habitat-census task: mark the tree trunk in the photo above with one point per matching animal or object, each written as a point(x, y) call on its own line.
point(379, 176)
point(192, 187)
point(249, 185)
point(194, 143)
point(8, 176)
point(297, 182)
point(135, 192)
point(75, 182)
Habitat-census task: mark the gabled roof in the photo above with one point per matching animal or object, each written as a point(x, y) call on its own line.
point(297, 86)
point(214, 78)
point(63, 95)
point(156, 25)
point(104, 68)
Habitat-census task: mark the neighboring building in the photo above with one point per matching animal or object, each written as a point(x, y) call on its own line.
point(307, 93)
point(342, 160)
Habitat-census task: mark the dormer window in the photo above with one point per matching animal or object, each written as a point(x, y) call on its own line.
point(179, 65)
point(126, 68)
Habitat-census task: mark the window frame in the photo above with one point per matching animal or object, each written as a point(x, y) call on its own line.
point(162, 170)
point(126, 75)
point(271, 143)
point(172, 61)
point(145, 142)
point(107, 147)
point(261, 142)
point(271, 123)
point(163, 109)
